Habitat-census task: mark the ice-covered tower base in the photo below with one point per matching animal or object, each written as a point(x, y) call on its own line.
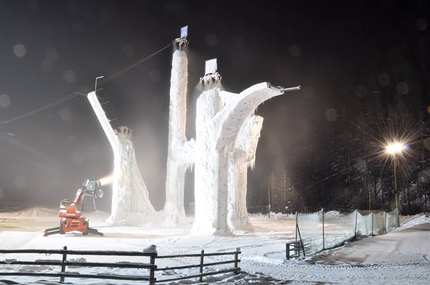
point(130, 201)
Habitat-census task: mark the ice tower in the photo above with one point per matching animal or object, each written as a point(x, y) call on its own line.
point(130, 201)
point(227, 133)
point(180, 152)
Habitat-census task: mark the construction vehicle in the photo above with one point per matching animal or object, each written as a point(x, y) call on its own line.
point(70, 218)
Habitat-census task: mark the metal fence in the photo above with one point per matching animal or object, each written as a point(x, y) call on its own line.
point(322, 230)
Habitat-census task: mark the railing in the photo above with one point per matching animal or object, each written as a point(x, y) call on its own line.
point(201, 265)
point(293, 249)
point(7, 266)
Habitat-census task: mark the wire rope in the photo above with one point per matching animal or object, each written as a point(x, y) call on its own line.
point(86, 89)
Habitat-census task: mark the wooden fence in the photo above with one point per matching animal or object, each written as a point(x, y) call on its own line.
point(8, 266)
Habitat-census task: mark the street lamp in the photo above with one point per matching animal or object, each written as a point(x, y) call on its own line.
point(393, 149)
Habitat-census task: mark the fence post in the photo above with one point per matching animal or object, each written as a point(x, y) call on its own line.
point(355, 225)
point(151, 271)
point(201, 265)
point(63, 265)
point(236, 260)
point(385, 222)
point(297, 220)
point(323, 231)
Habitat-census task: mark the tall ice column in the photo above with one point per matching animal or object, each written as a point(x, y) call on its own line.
point(180, 152)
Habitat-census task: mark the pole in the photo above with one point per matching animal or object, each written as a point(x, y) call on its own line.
point(323, 232)
point(395, 192)
point(63, 263)
point(95, 85)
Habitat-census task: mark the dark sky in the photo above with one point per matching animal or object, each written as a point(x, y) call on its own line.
point(51, 49)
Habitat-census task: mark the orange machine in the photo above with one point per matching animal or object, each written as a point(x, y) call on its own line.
point(70, 218)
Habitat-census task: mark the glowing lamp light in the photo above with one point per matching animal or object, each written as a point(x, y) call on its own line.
point(395, 148)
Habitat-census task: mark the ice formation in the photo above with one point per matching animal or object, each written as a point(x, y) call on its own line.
point(227, 132)
point(242, 159)
point(180, 153)
point(130, 201)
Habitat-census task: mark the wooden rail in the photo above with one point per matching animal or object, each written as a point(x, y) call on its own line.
point(7, 266)
point(201, 265)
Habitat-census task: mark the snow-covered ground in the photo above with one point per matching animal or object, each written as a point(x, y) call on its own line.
point(399, 257)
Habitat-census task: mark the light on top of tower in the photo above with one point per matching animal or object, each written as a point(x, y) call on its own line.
point(211, 73)
point(182, 41)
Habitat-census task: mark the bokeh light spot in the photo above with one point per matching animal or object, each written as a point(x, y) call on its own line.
point(20, 182)
point(211, 40)
point(128, 50)
point(421, 24)
point(331, 115)
point(66, 114)
point(428, 109)
point(19, 50)
point(403, 88)
point(294, 50)
point(384, 79)
point(4, 100)
point(69, 76)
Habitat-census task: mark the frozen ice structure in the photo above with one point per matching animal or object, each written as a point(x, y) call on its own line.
point(227, 134)
point(242, 159)
point(130, 201)
point(180, 153)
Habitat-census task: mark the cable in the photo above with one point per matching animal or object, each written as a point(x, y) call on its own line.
point(41, 108)
point(86, 89)
point(133, 65)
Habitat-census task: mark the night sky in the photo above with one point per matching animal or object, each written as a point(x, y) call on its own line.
point(51, 52)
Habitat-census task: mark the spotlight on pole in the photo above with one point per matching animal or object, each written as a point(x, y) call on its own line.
point(211, 73)
point(393, 149)
point(182, 41)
